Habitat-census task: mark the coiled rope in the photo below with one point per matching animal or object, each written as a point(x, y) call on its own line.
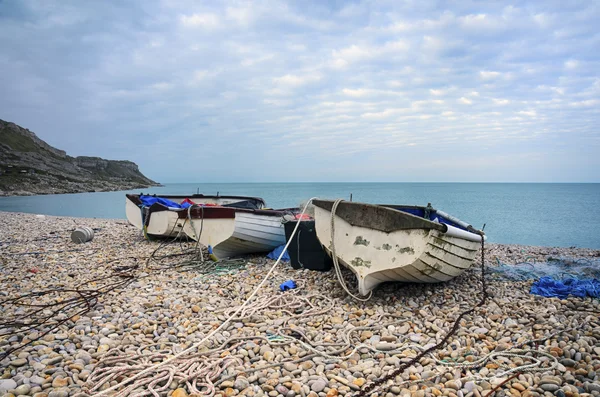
point(157, 366)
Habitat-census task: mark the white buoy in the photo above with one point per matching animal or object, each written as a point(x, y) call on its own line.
point(82, 234)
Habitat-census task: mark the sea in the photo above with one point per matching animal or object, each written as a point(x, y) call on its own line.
point(541, 214)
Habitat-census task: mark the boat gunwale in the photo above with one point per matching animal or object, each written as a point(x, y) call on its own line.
point(131, 197)
point(413, 221)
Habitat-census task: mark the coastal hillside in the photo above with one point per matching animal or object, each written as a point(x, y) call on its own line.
point(28, 166)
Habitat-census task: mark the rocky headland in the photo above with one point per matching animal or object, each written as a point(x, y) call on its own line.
point(30, 166)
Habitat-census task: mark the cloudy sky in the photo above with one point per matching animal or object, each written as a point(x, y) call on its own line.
point(232, 91)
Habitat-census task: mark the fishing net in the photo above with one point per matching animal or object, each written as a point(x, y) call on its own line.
point(557, 268)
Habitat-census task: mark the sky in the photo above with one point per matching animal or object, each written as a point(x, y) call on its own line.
point(289, 91)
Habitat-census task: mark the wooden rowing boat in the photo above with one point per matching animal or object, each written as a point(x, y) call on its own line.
point(395, 242)
point(238, 231)
point(163, 221)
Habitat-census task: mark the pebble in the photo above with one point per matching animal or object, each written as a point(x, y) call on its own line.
point(18, 362)
point(241, 383)
point(549, 387)
point(177, 309)
point(60, 392)
point(179, 392)
point(7, 384)
point(318, 385)
point(569, 363)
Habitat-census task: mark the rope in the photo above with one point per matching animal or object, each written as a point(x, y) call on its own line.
point(155, 367)
point(484, 295)
point(336, 265)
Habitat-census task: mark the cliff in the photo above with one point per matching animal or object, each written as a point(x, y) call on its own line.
point(28, 166)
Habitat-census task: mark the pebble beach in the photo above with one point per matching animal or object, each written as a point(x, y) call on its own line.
point(119, 306)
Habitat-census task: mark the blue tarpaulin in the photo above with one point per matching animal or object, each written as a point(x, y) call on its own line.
point(549, 287)
point(149, 200)
point(277, 251)
point(290, 284)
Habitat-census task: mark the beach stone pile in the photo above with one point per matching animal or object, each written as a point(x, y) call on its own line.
point(175, 308)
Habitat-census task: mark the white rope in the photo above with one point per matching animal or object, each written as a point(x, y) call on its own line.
point(220, 327)
point(336, 265)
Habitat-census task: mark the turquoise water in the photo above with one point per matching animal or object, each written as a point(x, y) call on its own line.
point(562, 215)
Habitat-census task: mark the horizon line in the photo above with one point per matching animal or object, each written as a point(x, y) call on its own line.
point(474, 182)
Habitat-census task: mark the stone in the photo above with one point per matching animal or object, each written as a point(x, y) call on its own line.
point(290, 367)
point(195, 308)
point(60, 382)
point(318, 385)
point(332, 393)
point(469, 386)
point(569, 363)
point(179, 392)
point(359, 381)
point(23, 390)
point(518, 386)
point(19, 362)
point(60, 392)
point(269, 355)
point(241, 383)
point(451, 384)
point(229, 392)
point(36, 380)
point(6, 385)
point(549, 387)
point(337, 320)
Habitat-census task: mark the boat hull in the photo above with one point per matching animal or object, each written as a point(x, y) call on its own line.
point(165, 222)
point(251, 231)
point(412, 254)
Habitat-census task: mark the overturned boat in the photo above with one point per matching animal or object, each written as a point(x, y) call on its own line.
point(232, 231)
point(395, 242)
point(164, 216)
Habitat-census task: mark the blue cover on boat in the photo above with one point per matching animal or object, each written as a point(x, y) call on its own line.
point(147, 201)
point(548, 287)
point(277, 251)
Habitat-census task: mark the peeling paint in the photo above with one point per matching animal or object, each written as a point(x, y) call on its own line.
point(393, 259)
point(386, 247)
point(406, 250)
point(358, 262)
point(377, 248)
point(361, 241)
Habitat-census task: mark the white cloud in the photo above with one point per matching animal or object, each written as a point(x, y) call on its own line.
point(585, 103)
point(240, 15)
point(355, 93)
point(355, 53)
point(208, 21)
point(293, 81)
point(278, 73)
point(530, 113)
point(488, 75)
point(571, 64)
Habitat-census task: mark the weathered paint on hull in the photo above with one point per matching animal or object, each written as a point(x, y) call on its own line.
point(411, 255)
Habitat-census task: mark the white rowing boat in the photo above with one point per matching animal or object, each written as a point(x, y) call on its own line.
point(167, 220)
point(237, 231)
point(395, 243)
